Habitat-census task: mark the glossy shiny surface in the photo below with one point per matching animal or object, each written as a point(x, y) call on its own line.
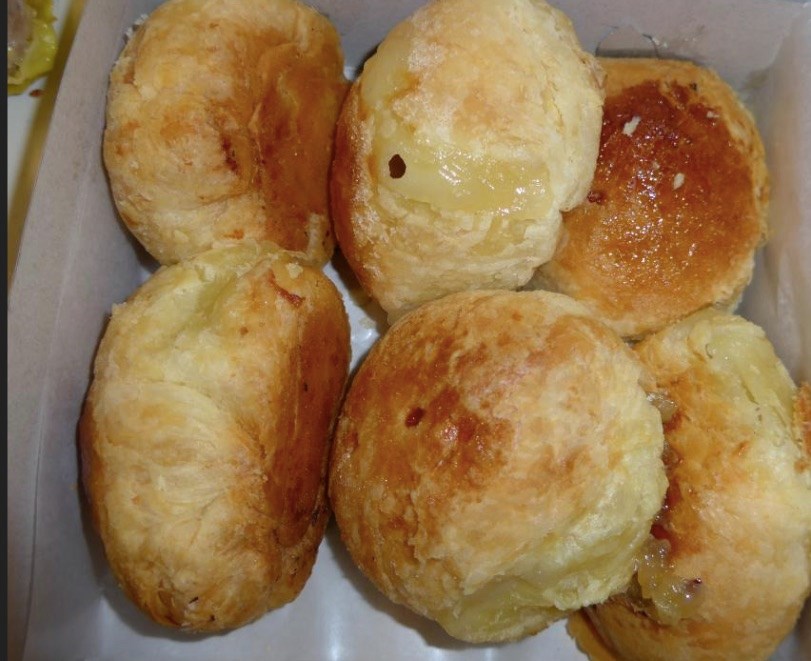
point(672, 215)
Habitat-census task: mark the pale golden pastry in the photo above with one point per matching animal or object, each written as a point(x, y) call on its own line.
point(734, 557)
point(497, 463)
point(205, 434)
point(678, 202)
point(470, 128)
point(220, 123)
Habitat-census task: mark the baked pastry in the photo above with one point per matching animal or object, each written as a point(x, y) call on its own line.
point(470, 128)
point(678, 202)
point(731, 566)
point(497, 463)
point(220, 122)
point(205, 434)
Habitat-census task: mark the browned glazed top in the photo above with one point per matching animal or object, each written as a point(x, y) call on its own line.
point(675, 208)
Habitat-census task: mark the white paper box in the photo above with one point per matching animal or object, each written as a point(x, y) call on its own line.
point(76, 261)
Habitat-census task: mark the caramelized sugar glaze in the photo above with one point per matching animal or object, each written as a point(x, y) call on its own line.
point(675, 210)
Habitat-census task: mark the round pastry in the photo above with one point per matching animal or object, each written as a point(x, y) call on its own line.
point(220, 122)
point(205, 434)
point(730, 565)
point(678, 202)
point(470, 128)
point(497, 463)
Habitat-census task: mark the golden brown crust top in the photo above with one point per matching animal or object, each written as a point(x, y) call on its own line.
point(220, 119)
point(678, 201)
point(482, 473)
point(205, 434)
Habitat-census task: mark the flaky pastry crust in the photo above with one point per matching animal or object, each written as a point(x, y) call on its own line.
point(738, 508)
point(205, 434)
point(220, 122)
point(497, 463)
point(472, 126)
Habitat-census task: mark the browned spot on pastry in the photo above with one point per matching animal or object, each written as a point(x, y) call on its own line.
point(414, 416)
point(662, 528)
point(802, 425)
point(673, 423)
point(468, 445)
point(596, 197)
point(397, 166)
point(230, 154)
point(350, 441)
point(802, 417)
point(294, 299)
point(295, 122)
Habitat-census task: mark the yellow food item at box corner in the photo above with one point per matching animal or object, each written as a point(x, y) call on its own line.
point(34, 21)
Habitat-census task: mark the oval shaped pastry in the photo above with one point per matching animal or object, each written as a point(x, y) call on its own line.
point(469, 129)
point(737, 520)
point(497, 463)
point(678, 202)
point(205, 434)
point(220, 122)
